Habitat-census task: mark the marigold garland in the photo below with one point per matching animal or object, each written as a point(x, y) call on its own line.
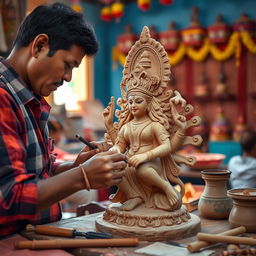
point(118, 56)
point(178, 55)
point(219, 55)
point(234, 47)
point(201, 54)
point(248, 42)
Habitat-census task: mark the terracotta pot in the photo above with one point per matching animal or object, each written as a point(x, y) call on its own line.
point(214, 202)
point(244, 208)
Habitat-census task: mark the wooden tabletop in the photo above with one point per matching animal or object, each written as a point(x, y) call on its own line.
point(87, 223)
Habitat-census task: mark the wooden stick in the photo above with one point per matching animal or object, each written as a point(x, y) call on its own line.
point(76, 243)
point(50, 230)
point(196, 246)
point(226, 239)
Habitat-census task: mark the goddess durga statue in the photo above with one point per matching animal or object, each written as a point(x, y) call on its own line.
point(151, 126)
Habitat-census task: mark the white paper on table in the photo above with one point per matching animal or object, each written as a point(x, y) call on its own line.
point(161, 249)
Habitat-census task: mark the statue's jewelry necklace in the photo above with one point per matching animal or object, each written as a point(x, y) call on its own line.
point(136, 129)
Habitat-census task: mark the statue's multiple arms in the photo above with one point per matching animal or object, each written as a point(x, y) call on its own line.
point(177, 99)
point(181, 122)
point(108, 115)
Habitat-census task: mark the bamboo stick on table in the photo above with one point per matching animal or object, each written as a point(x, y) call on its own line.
point(76, 243)
point(226, 239)
point(197, 245)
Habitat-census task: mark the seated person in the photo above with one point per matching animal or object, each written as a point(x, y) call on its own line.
point(31, 182)
point(243, 168)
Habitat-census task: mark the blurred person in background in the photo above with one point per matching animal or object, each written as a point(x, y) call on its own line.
point(243, 168)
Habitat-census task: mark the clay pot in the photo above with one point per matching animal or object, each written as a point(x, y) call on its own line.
point(244, 208)
point(214, 202)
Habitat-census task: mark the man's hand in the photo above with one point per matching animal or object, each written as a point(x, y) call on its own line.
point(105, 169)
point(86, 153)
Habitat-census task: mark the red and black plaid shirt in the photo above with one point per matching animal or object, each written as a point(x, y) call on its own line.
point(25, 154)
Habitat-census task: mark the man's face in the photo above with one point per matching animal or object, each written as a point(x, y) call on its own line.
point(46, 74)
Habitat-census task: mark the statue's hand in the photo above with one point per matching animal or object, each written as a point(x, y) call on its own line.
point(108, 114)
point(179, 120)
point(178, 99)
point(134, 161)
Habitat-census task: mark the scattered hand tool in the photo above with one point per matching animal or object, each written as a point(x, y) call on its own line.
point(64, 232)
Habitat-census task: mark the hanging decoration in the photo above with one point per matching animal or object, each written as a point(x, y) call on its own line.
point(248, 41)
point(228, 44)
point(76, 6)
point(126, 40)
point(244, 24)
point(117, 7)
point(166, 2)
point(106, 13)
point(195, 33)
point(144, 5)
point(117, 10)
point(170, 39)
point(219, 32)
point(153, 33)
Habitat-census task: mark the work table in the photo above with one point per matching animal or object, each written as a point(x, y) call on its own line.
point(87, 223)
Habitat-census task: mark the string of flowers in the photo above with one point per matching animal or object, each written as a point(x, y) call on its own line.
point(233, 48)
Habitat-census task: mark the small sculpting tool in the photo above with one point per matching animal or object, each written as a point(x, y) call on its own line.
point(86, 142)
point(64, 232)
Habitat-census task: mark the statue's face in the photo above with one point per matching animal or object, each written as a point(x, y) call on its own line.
point(137, 105)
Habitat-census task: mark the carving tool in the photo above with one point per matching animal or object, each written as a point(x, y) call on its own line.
point(64, 232)
point(86, 142)
point(89, 144)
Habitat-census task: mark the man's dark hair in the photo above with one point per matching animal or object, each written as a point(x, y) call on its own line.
point(64, 27)
point(248, 140)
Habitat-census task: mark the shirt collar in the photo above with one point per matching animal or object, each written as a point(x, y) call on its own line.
point(19, 86)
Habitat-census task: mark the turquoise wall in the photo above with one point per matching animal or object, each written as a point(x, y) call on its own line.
point(107, 79)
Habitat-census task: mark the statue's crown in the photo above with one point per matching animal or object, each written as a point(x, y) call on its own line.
point(147, 67)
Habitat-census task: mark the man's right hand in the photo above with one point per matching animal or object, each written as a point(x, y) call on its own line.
point(105, 169)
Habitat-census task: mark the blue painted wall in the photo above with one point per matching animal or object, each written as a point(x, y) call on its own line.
point(106, 78)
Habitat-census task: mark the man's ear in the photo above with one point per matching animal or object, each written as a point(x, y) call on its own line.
point(40, 43)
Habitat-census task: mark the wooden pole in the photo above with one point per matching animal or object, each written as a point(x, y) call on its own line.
point(76, 243)
point(196, 246)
